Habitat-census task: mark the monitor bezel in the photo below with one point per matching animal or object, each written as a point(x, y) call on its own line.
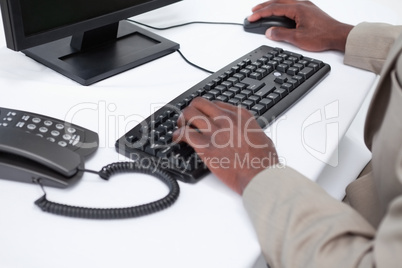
point(17, 40)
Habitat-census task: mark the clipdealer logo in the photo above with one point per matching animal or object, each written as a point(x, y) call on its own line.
point(327, 118)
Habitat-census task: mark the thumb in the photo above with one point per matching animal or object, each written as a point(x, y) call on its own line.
point(280, 34)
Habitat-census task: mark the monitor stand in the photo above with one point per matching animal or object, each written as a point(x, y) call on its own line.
point(95, 55)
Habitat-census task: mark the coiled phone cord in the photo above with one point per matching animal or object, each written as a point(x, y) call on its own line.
point(118, 213)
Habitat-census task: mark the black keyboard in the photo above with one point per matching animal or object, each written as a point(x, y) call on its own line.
point(267, 81)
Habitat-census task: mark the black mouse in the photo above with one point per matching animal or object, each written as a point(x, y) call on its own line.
point(260, 26)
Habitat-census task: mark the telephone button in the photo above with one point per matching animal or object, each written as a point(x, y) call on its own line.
point(55, 133)
point(62, 143)
point(71, 130)
point(36, 120)
point(43, 129)
point(48, 123)
point(67, 136)
point(59, 126)
point(31, 126)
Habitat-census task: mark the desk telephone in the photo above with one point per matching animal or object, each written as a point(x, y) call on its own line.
point(46, 151)
point(34, 147)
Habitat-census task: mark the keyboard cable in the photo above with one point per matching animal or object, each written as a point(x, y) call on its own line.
point(185, 24)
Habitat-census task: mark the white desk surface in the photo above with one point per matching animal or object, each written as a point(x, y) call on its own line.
point(207, 226)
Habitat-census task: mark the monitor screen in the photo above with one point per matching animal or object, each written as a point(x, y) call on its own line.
point(71, 36)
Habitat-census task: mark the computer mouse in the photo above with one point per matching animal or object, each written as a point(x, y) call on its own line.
point(260, 26)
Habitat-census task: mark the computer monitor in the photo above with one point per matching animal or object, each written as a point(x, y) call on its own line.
point(85, 40)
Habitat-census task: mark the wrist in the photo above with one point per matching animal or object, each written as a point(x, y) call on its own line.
point(342, 31)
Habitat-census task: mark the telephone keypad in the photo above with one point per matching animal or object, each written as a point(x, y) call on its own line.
point(53, 130)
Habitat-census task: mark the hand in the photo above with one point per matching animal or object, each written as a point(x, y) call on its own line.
point(228, 139)
point(315, 30)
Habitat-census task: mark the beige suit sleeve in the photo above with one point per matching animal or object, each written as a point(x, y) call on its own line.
point(368, 45)
point(299, 225)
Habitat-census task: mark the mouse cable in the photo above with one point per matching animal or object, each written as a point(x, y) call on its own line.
point(185, 24)
point(116, 213)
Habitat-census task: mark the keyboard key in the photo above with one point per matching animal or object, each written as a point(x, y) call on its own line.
point(292, 54)
point(306, 72)
point(239, 76)
point(254, 98)
point(268, 68)
point(303, 62)
point(281, 92)
point(263, 60)
point(259, 109)
point(246, 93)
point(252, 84)
point(278, 60)
point(273, 64)
point(318, 62)
point(293, 82)
point(292, 71)
point(240, 97)
point(220, 88)
point(252, 68)
point(314, 66)
point(299, 79)
point(282, 67)
point(235, 90)
point(265, 91)
point(208, 97)
point(287, 86)
point(209, 85)
point(229, 94)
point(234, 101)
point(281, 79)
point(233, 80)
point(226, 84)
point(248, 104)
point(214, 93)
point(255, 75)
point(245, 72)
point(241, 85)
point(274, 96)
point(268, 103)
point(222, 98)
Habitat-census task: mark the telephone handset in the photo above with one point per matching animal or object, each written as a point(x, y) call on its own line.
point(34, 147)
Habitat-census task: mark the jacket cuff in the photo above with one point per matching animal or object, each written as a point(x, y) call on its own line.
point(368, 44)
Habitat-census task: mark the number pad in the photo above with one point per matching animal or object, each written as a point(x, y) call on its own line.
point(53, 130)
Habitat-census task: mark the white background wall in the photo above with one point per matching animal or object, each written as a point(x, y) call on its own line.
point(394, 4)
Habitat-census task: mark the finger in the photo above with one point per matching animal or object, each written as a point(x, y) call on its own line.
point(283, 8)
point(231, 108)
point(268, 3)
point(191, 116)
point(226, 106)
point(206, 107)
point(196, 140)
